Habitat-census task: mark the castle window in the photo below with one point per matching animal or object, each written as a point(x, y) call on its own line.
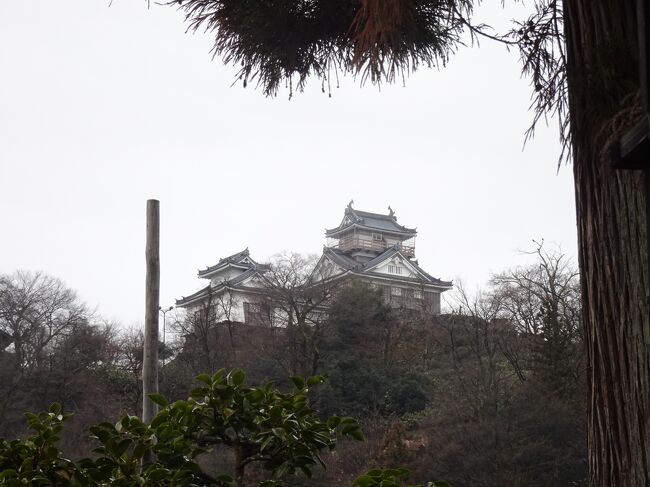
point(394, 269)
point(417, 294)
point(257, 314)
point(377, 237)
point(396, 291)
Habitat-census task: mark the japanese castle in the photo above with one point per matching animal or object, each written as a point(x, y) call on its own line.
point(370, 247)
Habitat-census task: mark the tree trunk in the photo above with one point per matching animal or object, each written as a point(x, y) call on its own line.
point(602, 69)
point(239, 465)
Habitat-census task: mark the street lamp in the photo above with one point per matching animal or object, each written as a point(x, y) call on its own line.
point(164, 312)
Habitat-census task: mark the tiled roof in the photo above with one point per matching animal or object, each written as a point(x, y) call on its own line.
point(236, 257)
point(232, 283)
point(340, 258)
point(186, 299)
point(240, 278)
point(394, 250)
point(371, 221)
point(349, 264)
point(249, 269)
point(387, 254)
point(231, 259)
point(428, 280)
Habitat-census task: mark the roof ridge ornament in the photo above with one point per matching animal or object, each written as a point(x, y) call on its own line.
point(391, 213)
point(350, 211)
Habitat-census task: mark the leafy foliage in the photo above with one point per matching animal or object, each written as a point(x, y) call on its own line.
point(388, 478)
point(36, 460)
point(364, 360)
point(261, 424)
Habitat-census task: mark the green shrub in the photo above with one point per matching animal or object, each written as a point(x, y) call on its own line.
point(261, 425)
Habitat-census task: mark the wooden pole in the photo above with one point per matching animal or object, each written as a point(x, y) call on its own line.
point(152, 298)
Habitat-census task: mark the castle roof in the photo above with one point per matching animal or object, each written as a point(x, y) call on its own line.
point(236, 282)
point(370, 221)
point(367, 268)
point(241, 260)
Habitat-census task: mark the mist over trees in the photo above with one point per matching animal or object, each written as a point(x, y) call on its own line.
point(492, 392)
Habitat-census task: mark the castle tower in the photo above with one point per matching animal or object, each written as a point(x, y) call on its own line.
point(362, 235)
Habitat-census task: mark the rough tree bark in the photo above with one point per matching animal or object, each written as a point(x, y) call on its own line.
point(602, 69)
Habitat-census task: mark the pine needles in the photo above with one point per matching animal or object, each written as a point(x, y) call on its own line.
point(286, 41)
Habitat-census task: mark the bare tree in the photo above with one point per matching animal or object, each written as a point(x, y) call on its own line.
point(199, 332)
point(511, 371)
point(36, 310)
point(551, 285)
point(208, 332)
point(298, 298)
point(542, 301)
point(475, 337)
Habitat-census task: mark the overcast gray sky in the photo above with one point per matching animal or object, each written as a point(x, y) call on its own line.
point(104, 107)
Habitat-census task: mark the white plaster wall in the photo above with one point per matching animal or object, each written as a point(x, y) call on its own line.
point(225, 275)
point(236, 306)
point(406, 271)
point(239, 299)
point(255, 282)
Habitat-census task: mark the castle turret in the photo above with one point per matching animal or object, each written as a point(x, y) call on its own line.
point(363, 235)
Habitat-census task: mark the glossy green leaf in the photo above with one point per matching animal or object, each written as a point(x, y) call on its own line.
point(158, 399)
